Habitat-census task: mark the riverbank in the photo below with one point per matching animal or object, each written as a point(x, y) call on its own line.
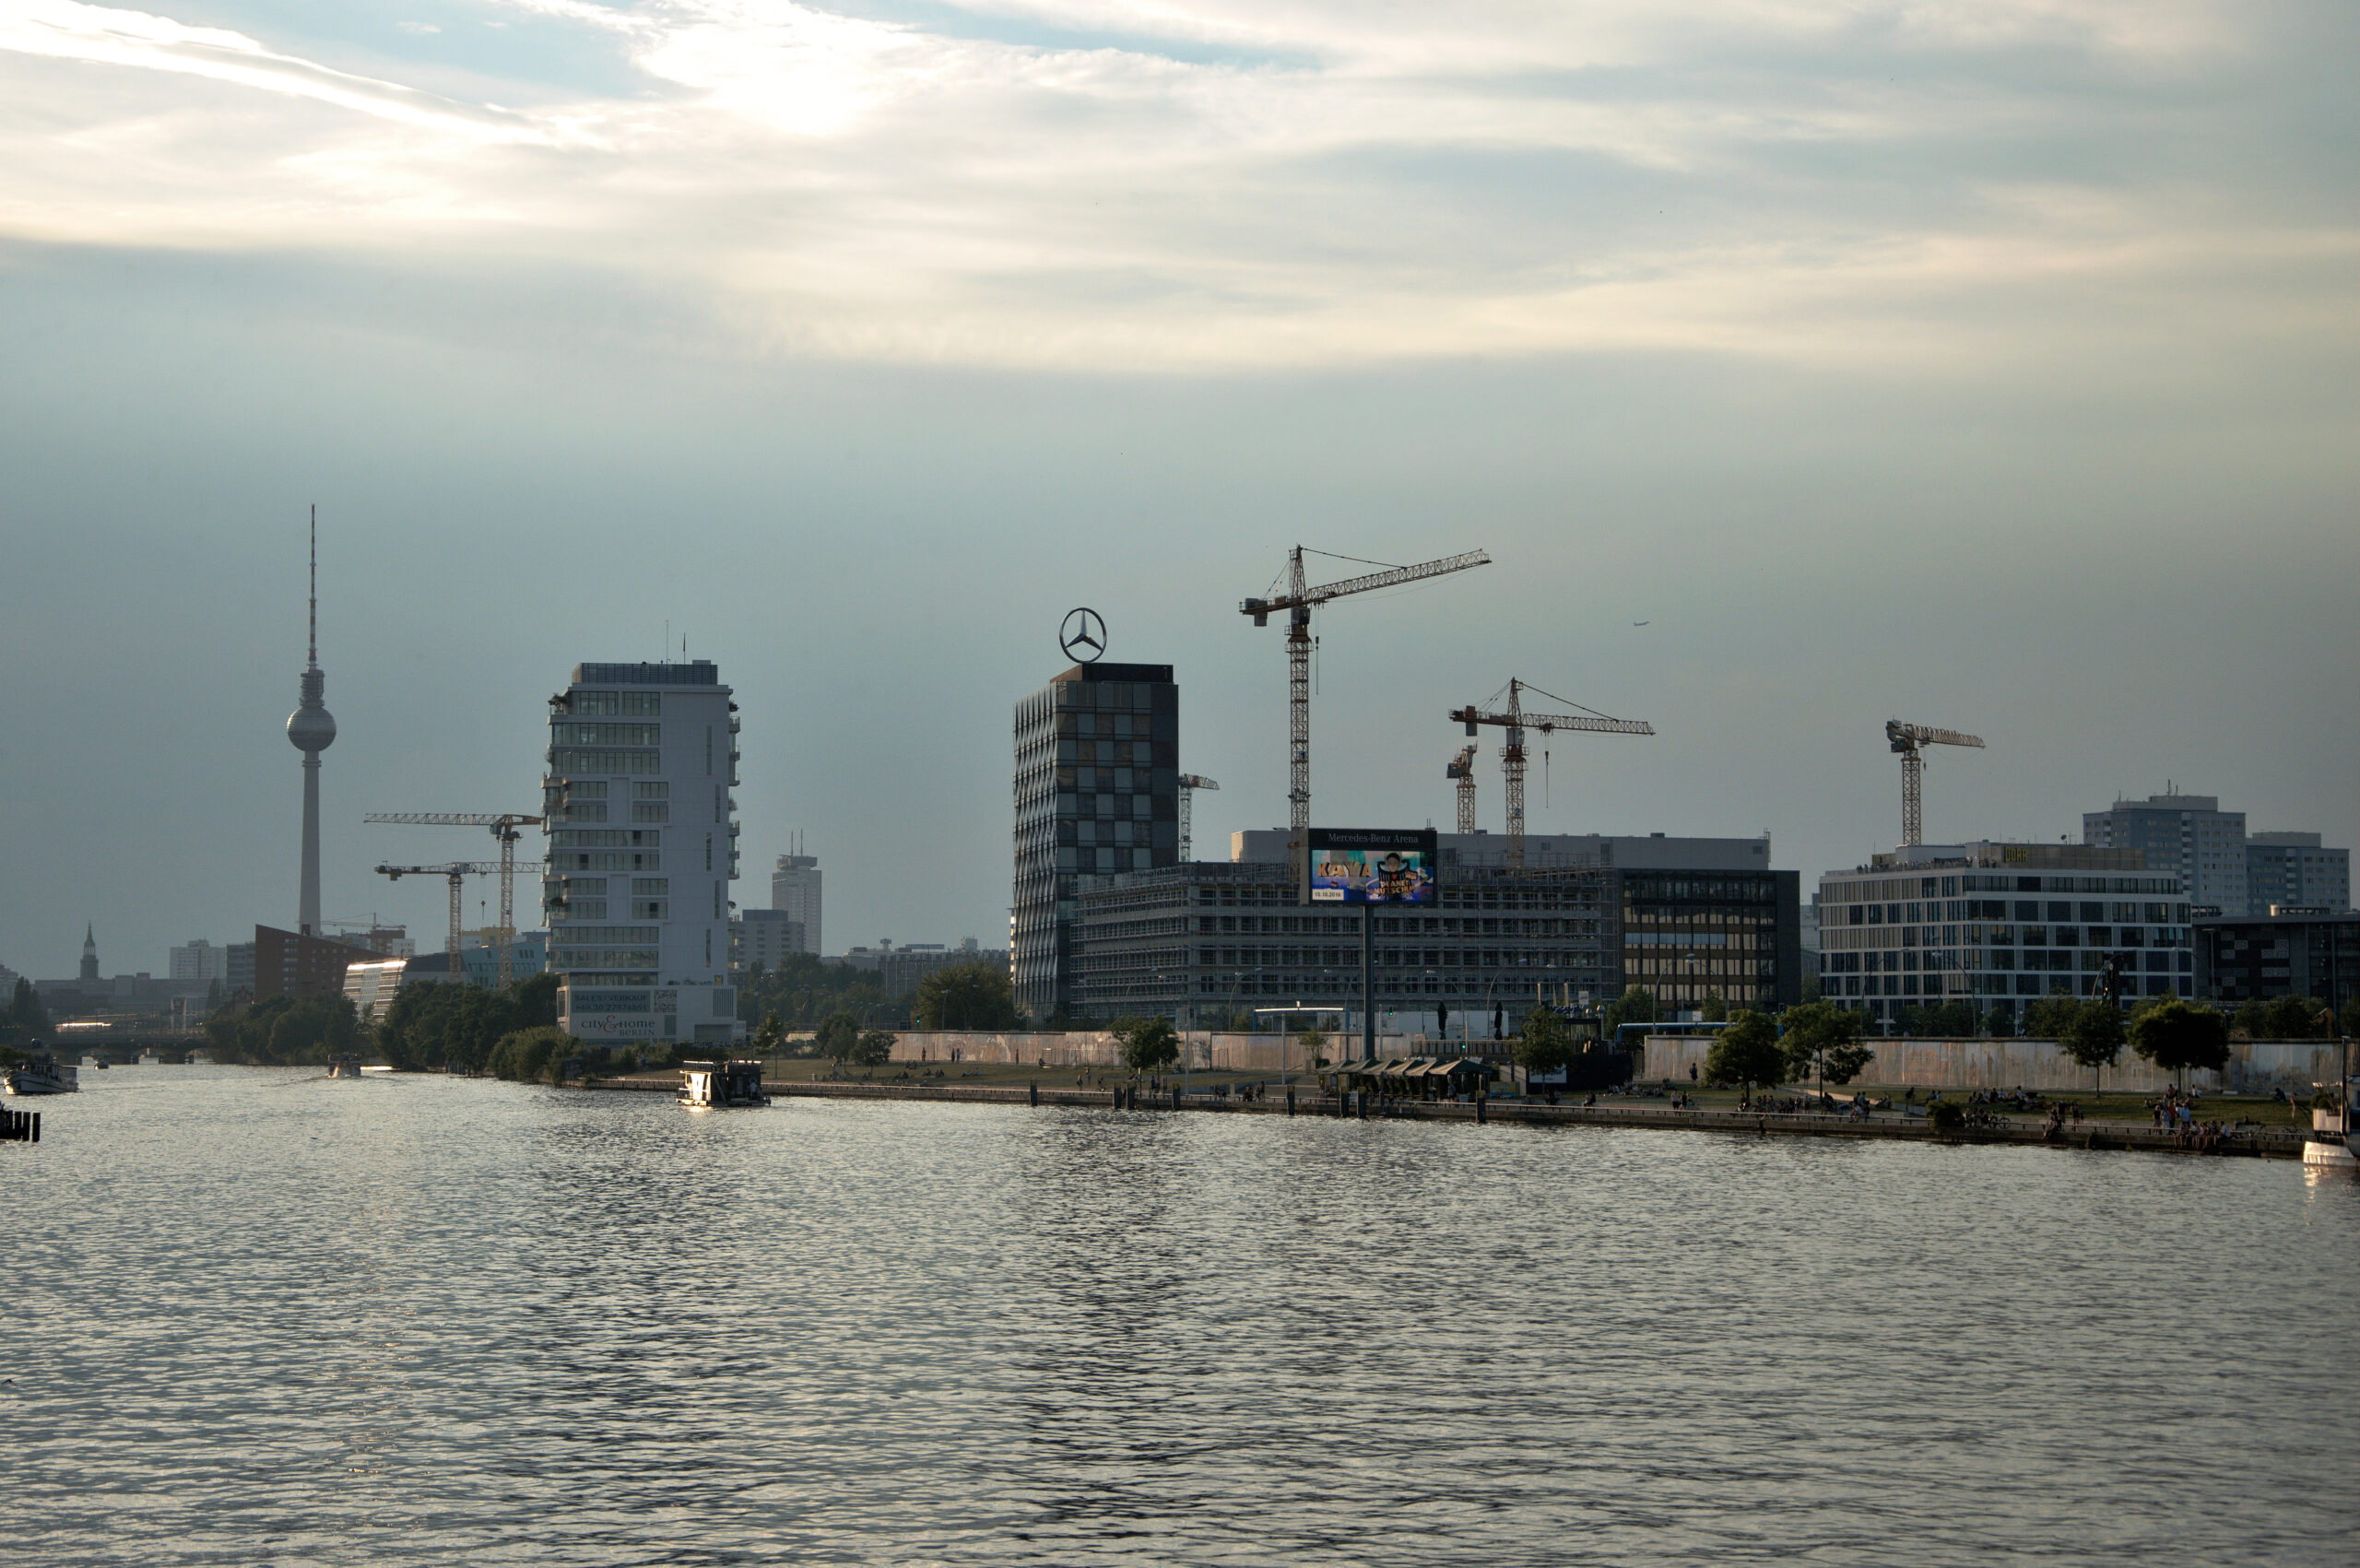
point(2269, 1143)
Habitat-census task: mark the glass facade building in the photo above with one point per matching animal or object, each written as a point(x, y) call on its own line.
point(2001, 924)
point(643, 846)
point(1096, 793)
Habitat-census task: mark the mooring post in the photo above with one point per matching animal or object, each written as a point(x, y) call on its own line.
point(36, 1127)
point(1289, 1100)
point(1032, 1093)
point(1481, 1101)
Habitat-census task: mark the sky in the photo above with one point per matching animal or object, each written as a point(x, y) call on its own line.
point(1993, 366)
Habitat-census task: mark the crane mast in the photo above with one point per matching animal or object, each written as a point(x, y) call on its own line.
point(1296, 603)
point(1515, 721)
point(1462, 768)
point(1906, 739)
point(1189, 785)
point(503, 826)
point(455, 871)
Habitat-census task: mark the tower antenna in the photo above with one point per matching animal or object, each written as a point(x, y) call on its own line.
point(313, 662)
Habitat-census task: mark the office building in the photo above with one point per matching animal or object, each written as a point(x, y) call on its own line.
point(2316, 953)
point(794, 896)
point(370, 986)
point(2001, 924)
point(2187, 835)
point(1096, 794)
point(1203, 941)
point(528, 955)
point(764, 938)
point(241, 970)
point(199, 963)
point(2296, 871)
point(643, 846)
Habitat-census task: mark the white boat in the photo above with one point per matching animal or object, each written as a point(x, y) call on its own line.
point(43, 1075)
point(713, 1084)
point(2334, 1143)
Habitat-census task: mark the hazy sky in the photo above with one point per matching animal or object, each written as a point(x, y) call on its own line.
point(1989, 364)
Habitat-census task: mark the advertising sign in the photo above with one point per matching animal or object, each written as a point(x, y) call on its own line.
point(1372, 865)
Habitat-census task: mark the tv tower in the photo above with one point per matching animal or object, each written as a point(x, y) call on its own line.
point(311, 730)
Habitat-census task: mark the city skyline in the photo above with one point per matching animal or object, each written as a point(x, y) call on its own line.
point(1992, 371)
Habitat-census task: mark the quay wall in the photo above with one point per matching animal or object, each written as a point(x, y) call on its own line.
point(1207, 1050)
point(2254, 1067)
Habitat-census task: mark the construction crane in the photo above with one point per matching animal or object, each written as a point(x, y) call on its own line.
point(1906, 739)
point(1462, 768)
point(1296, 605)
point(454, 870)
point(503, 826)
point(1515, 721)
point(1189, 785)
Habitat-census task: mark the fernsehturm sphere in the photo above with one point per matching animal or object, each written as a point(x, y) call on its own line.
point(311, 730)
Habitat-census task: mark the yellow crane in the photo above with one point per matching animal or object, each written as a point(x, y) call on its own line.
point(454, 870)
point(1515, 721)
point(1295, 601)
point(1462, 768)
point(1906, 740)
point(503, 826)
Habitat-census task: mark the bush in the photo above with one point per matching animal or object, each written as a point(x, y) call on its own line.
point(1943, 1117)
point(872, 1048)
point(967, 995)
point(1148, 1042)
point(1545, 1044)
point(838, 1036)
point(526, 1056)
point(1748, 1053)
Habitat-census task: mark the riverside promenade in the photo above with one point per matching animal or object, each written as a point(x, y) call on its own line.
point(2269, 1143)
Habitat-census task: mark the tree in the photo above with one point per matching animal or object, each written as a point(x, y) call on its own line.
point(2051, 1016)
point(1545, 1044)
point(770, 1035)
point(967, 995)
point(838, 1036)
point(2177, 1037)
point(284, 1031)
point(1148, 1042)
point(1635, 1005)
point(1747, 1053)
point(526, 1056)
point(26, 1017)
point(2292, 1017)
point(2091, 1032)
point(1313, 1045)
point(1716, 1006)
point(1824, 1040)
point(872, 1048)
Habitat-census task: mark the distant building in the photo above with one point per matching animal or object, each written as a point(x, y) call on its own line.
point(2296, 871)
point(242, 969)
point(479, 959)
point(90, 994)
point(900, 971)
point(1096, 793)
point(288, 964)
point(199, 962)
point(765, 937)
point(2000, 924)
point(643, 846)
point(2187, 834)
point(794, 894)
point(2261, 957)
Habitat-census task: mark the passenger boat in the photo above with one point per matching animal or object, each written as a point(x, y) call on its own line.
point(345, 1067)
point(714, 1085)
point(43, 1074)
point(2334, 1143)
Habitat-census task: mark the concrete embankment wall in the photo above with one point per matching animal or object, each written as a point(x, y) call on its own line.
point(2255, 1068)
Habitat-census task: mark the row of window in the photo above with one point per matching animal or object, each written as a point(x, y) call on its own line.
point(607, 760)
point(1910, 960)
point(608, 704)
point(609, 860)
point(2002, 909)
point(571, 959)
point(1399, 958)
point(562, 732)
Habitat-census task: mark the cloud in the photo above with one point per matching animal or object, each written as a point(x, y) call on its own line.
point(1158, 185)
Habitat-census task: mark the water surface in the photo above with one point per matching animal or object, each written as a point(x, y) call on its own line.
point(262, 1317)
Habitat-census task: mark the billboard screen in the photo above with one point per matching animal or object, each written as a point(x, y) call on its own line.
point(1372, 865)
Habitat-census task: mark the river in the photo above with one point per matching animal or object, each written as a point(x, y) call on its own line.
point(258, 1316)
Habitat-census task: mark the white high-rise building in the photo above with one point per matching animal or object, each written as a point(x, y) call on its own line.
point(200, 963)
point(643, 846)
point(795, 895)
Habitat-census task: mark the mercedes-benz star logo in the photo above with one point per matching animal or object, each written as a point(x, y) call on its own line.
point(1083, 629)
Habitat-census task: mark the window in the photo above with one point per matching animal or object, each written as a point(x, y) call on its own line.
point(2059, 909)
point(648, 812)
point(587, 789)
point(566, 734)
point(650, 789)
point(647, 887)
point(585, 760)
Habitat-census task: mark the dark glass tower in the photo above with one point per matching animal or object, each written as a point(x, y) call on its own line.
point(1097, 793)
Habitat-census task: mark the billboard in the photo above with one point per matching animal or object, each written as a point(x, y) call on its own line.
point(1372, 865)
